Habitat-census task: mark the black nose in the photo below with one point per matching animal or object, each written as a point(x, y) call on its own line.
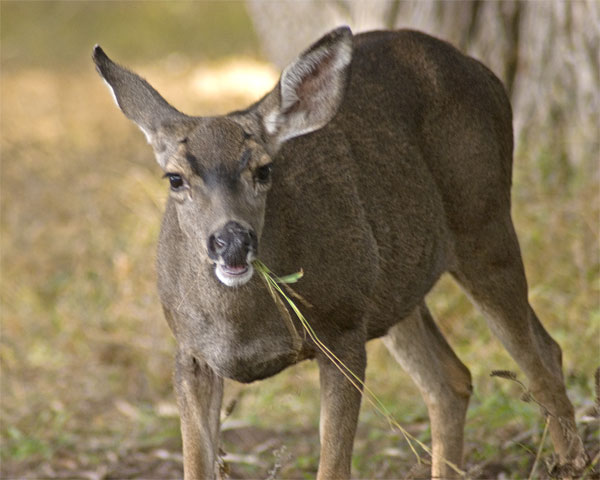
point(232, 243)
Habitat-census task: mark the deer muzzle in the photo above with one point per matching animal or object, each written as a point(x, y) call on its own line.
point(233, 248)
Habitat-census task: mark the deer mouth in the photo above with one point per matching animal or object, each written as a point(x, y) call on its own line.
point(234, 275)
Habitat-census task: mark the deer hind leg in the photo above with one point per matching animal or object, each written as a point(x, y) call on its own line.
point(491, 272)
point(445, 383)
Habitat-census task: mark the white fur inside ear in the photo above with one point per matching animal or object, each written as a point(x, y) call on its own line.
point(147, 135)
point(297, 126)
point(294, 74)
point(271, 121)
point(112, 92)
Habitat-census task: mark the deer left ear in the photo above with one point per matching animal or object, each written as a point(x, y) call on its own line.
point(161, 123)
point(311, 88)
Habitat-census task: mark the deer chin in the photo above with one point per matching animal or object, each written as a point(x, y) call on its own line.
point(234, 276)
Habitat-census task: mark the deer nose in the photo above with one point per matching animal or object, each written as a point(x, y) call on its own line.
point(232, 244)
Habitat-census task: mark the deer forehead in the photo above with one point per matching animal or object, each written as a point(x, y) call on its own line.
point(218, 150)
point(210, 144)
point(216, 142)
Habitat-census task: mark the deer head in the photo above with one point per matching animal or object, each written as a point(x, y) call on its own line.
point(219, 168)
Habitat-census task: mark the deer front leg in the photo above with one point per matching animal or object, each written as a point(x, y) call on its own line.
point(199, 395)
point(340, 405)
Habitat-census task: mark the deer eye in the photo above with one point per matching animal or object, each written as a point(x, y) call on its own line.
point(263, 173)
point(175, 180)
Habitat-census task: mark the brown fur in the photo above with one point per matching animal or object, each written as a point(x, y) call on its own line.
point(388, 171)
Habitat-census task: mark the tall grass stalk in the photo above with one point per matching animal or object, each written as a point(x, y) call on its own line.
point(273, 284)
point(539, 451)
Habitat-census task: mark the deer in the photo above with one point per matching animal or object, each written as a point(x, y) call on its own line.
point(377, 163)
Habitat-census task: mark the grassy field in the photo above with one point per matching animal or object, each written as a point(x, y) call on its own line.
point(86, 355)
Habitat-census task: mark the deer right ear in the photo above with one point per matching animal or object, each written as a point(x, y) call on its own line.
point(311, 88)
point(141, 103)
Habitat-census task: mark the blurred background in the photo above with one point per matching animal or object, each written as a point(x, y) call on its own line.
point(86, 357)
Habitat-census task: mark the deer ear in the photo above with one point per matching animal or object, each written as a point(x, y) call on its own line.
point(141, 103)
point(311, 88)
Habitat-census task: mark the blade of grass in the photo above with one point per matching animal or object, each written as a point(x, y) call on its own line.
point(291, 278)
point(539, 451)
point(590, 469)
point(356, 381)
point(296, 340)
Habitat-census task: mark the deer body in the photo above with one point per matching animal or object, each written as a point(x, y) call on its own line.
point(391, 159)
